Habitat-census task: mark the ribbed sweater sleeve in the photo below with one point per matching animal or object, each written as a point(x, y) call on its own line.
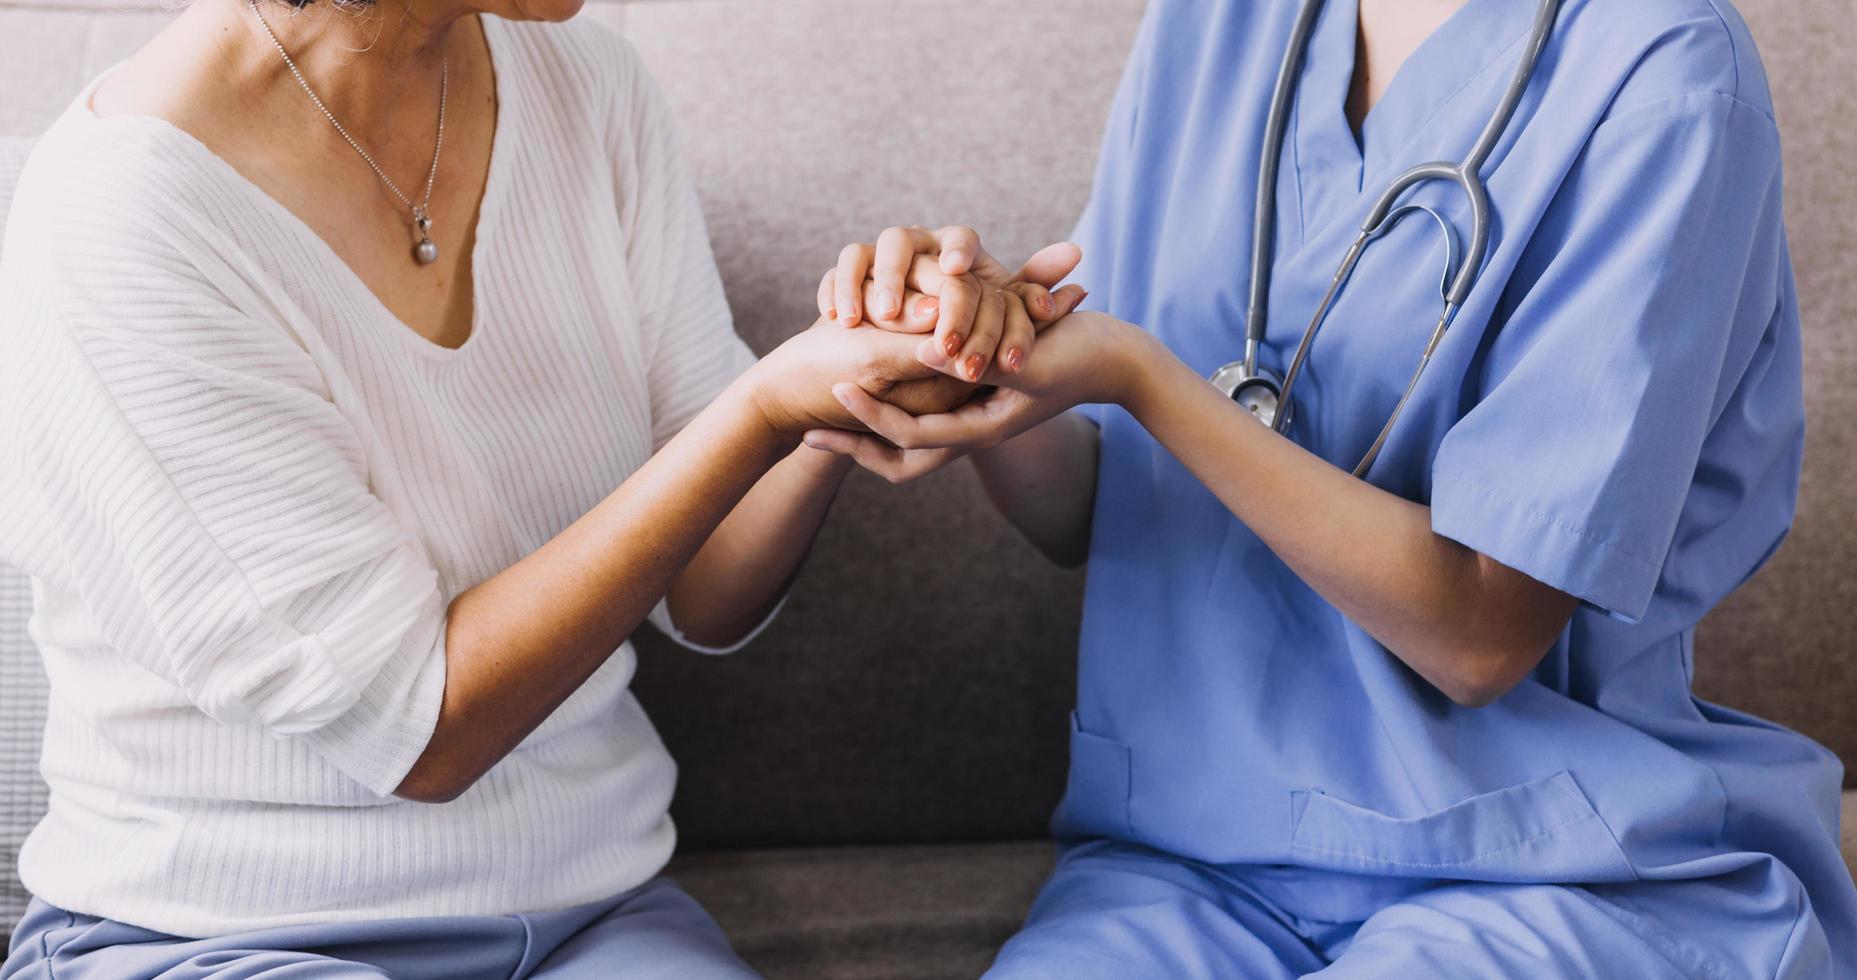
point(183, 463)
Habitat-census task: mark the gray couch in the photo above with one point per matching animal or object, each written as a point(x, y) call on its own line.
point(865, 792)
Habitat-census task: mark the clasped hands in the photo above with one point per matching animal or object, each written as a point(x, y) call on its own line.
point(927, 349)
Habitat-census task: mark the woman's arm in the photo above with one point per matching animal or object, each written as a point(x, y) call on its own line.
point(737, 577)
point(734, 582)
point(1469, 625)
point(519, 643)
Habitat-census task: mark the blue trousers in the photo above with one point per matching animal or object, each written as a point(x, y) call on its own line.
point(1117, 911)
point(655, 932)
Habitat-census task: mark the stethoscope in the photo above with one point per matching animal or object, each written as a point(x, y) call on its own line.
point(1258, 388)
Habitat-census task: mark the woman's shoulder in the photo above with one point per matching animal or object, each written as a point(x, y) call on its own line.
point(136, 178)
point(111, 215)
point(582, 60)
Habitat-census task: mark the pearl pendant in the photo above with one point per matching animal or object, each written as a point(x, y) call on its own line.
point(426, 252)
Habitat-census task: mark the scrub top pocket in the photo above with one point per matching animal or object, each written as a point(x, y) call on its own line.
point(1096, 799)
point(1545, 830)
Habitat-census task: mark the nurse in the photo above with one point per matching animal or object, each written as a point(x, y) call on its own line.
point(1436, 721)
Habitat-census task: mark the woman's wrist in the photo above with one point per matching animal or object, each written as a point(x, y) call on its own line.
point(758, 396)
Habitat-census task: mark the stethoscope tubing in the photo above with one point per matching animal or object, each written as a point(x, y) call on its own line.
point(1460, 275)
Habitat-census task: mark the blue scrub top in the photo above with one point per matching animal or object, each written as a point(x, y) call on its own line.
point(1617, 412)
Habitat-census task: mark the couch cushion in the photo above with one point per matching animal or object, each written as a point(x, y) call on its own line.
point(1781, 647)
point(902, 913)
point(918, 685)
point(1848, 829)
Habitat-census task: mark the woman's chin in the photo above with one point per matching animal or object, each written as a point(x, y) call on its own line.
point(553, 11)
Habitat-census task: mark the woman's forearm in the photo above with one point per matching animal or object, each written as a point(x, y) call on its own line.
point(1469, 625)
point(750, 561)
point(520, 642)
point(1043, 482)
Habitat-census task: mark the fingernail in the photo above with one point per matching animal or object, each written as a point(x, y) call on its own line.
point(832, 314)
point(957, 258)
point(1044, 304)
point(848, 320)
point(952, 345)
point(927, 307)
point(812, 444)
point(887, 305)
point(975, 364)
point(1015, 359)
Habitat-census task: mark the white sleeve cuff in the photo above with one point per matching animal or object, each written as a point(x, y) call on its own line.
point(660, 616)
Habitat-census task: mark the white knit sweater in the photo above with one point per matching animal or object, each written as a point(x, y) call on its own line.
point(247, 493)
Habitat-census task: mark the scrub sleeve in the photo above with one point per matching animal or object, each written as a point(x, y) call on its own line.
point(1607, 379)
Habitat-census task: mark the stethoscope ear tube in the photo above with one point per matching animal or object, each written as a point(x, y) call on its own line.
point(1264, 213)
point(1460, 271)
point(1379, 442)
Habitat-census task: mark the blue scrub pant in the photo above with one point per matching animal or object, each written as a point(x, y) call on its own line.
point(1115, 911)
point(654, 932)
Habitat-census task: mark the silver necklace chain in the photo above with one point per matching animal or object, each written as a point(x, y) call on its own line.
point(425, 252)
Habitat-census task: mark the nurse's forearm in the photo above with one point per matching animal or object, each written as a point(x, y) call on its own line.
point(1471, 626)
point(742, 571)
point(1044, 483)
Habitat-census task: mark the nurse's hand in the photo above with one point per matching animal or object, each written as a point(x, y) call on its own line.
point(911, 272)
point(1087, 358)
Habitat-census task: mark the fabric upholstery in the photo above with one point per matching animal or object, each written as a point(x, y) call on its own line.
point(900, 912)
point(910, 692)
point(917, 686)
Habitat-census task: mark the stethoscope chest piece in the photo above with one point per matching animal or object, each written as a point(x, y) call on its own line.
point(1259, 391)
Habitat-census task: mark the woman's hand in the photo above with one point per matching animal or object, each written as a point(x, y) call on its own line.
point(910, 272)
point(792, 387)
point(1086, 358)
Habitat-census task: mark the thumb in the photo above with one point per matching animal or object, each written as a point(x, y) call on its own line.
point(1051, 264)
point(831, 441)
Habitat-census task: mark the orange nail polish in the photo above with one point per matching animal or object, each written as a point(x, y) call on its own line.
point(927, 307)
point(952, 345)
point(975, 364)
point(1015, 359)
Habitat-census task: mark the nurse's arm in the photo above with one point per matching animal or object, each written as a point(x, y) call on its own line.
point(1043, 482)
point(1471, 626)
point(1467, 624)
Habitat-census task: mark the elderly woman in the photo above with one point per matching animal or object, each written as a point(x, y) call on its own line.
point(369, 382)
